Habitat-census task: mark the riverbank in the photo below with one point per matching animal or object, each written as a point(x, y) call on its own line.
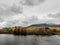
point(31, 31)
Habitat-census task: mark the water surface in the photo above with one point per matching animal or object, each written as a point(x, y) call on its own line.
point(6, 39)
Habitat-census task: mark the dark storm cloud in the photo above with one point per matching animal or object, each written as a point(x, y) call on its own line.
point(31, 2)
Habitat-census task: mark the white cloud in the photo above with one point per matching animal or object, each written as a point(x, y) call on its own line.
point(7, 13)
point(19, 20)
point(23, 14)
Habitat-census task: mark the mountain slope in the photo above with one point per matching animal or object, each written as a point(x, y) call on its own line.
point(58, 25)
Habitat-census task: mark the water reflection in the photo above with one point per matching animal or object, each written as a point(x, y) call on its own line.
point(29, 40)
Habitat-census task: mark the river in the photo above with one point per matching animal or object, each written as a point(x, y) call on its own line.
point(6, 39)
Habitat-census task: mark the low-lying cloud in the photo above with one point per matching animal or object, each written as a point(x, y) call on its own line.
point(20, 21)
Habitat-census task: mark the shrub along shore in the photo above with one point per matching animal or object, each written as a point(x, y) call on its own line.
point(30, 31)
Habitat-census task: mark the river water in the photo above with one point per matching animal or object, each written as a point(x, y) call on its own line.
point(6, 39)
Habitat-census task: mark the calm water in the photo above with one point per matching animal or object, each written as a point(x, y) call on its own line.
point(29, 40)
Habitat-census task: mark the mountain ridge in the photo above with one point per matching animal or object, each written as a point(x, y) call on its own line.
point(46, 25)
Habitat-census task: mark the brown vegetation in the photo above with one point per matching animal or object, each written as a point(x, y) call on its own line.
point(32, 30)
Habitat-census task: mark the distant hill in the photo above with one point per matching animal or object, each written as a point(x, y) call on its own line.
point(46, 25)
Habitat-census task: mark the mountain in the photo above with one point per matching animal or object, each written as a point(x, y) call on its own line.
point(46, 25)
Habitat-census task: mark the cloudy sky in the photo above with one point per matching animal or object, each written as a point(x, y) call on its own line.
point(27, 12)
